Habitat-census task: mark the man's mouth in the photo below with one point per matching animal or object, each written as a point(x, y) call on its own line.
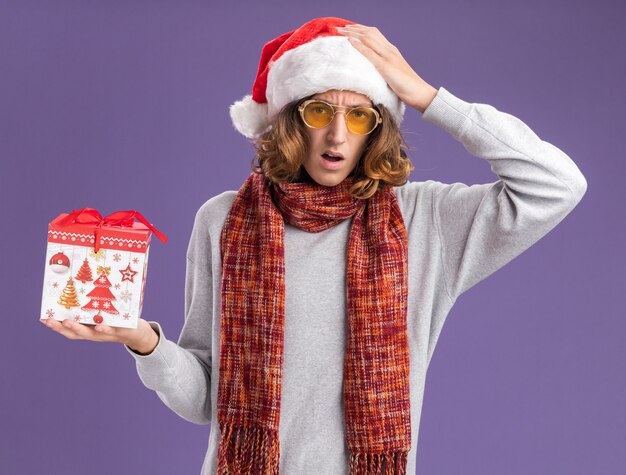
point(332, 156)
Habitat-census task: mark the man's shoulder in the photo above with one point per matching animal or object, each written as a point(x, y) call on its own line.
point(413, 189)
point(213, 211)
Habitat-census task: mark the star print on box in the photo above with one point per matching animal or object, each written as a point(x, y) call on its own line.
point(128, 274)
point(117, 257)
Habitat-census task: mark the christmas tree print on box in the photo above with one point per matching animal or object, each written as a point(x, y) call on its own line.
point(101, 298)
point(68, 297)
point(84, 273)
point(89, 286)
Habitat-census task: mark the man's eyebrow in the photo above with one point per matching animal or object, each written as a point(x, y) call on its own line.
point(353, 105)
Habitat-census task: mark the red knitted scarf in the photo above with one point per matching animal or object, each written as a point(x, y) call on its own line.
point(376, 364)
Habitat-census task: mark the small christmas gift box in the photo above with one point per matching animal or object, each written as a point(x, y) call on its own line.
point(96, 267)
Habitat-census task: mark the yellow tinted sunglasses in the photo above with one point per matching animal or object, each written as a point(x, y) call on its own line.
point(317, 114)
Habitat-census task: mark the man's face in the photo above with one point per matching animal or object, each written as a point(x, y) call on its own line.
point(336, 139)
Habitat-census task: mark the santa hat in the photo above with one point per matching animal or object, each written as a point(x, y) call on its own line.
point(311, 59)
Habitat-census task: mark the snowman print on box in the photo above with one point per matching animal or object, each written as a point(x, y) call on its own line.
point(94, 287)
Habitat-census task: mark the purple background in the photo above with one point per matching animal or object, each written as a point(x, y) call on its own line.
point(123, 105)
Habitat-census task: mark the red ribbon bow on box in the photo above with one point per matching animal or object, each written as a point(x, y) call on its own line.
point(119, 218)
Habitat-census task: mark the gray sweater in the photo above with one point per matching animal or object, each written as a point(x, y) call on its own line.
point(458, 235)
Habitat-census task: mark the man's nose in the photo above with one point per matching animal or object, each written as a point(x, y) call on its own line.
point(337, 129)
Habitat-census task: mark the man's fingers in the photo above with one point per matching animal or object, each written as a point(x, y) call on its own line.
point(77, 331)
point(60, 328)
point(89, 332)
point(370, 37)
point(107, 333)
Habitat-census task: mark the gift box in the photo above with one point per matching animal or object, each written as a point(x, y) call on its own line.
point(96, 267)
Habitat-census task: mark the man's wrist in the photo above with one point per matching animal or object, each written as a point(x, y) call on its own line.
point(148, 343)
point(426, 95)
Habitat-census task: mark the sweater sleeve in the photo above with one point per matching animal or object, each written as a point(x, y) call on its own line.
point(180, 373)
point(484, 226)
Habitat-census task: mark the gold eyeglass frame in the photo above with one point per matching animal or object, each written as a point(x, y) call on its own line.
point(334, 107)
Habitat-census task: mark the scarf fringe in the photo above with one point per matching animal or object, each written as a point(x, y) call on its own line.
point(393, 463)
point(247, 450)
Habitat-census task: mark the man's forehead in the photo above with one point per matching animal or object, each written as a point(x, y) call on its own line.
point(351, 98)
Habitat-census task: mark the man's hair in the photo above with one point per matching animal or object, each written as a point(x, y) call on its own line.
point(281, 151)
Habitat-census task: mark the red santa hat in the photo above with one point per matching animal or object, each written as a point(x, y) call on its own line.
point(311, 59)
